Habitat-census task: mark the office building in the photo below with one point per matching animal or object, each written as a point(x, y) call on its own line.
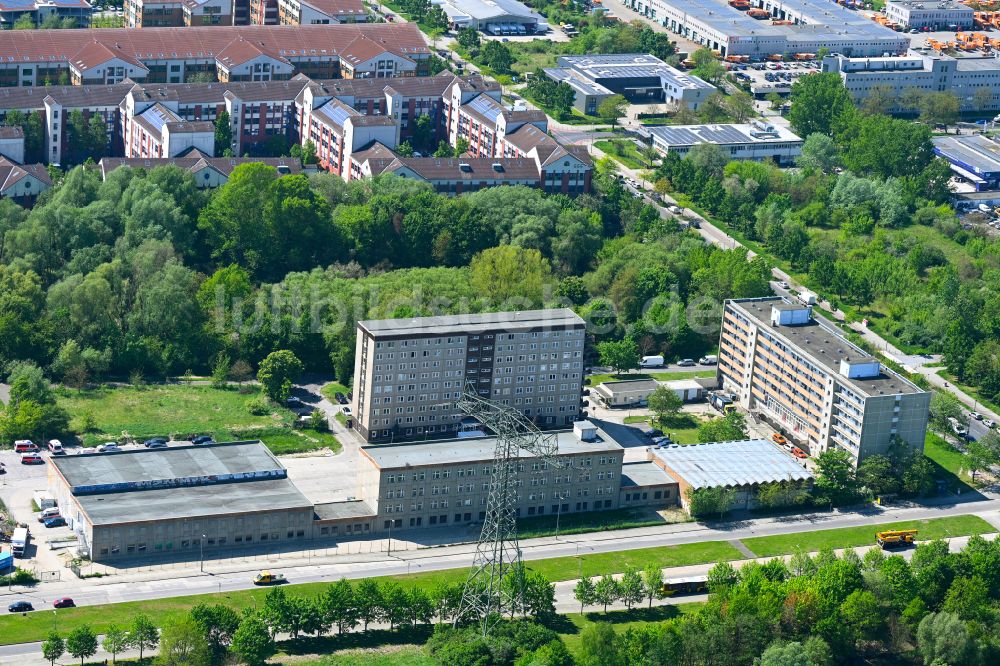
point(742, 466)
point(176, 55)
point(769, 27)
point(448, 482)
point(974, 80)
point(176, 13)
point(494, 17)
point(974, 158)
point(756, 140)
point(931, 14)
point(408, 373)
point(819, 389)
point(640, 78)
point(38, 11)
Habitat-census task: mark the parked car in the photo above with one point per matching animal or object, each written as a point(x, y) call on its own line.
point(293, 402)
point(976, 415)
point(51, 512)
point(58, 521)
point(56, 448)
point(25, 446)
point(989, 423)
point(108, 447)
point(340, 397)
point(347, 411)
point(779, 438)
point(155, 442)
point(63, 602)
point(20, 607)
point(87, 451)
point(782, 284)
point(31, 459)
point(686, 362)
point(202, 439)
point(798, 453)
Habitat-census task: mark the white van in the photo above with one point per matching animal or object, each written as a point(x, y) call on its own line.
point(710, 359)
point(56, 447)
point(651, 362)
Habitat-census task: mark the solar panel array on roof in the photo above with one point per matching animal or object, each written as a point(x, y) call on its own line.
point(487, 106)
point(336, 113)
point(157, 116)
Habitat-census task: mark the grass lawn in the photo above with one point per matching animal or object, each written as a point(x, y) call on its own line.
point(331, 390)
point(177, 410)
point(578, 523)
point(849, 537)
point(659, 376)
point(950, 462)
point(35, 626)
point(682, 430)
point(630, 157)
point(396, 655)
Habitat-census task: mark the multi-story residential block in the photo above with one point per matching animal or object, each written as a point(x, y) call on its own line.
point(208, 171)
point(409, 372)
point(640, 78)
point(818, 388)
point(233, 53)
point(78, 11)
point(208, 12)
point(447, 482)
point(312, 12)
point(355, 126)
point(975, 81)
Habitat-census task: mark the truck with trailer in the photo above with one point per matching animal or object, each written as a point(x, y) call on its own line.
point(895, 538)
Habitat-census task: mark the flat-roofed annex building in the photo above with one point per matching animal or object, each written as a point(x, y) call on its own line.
point(177, 499)
point(444, 483)
point(408, 373)
point(756, 140)
point(821, 390)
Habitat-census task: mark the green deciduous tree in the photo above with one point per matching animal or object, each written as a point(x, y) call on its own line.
point(81, 643)
point(621, 356)
point(819, 101)
point(709, 502)
point(252, 642)
point(612, 109)
point(652, 582)
point(53, 647)
point(730, 427)
point(277, 372)
point(143, 634)
point(584, 592)
point(664, 403)
point(183, 644)
point(835, 478)
point(606, 591)
point(217, 623)
point(943, 638)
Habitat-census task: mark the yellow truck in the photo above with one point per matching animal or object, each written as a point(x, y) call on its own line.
point(269, 578)
point(895, 538)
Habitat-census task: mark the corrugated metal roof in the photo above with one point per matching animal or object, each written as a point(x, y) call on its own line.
point(732, 464)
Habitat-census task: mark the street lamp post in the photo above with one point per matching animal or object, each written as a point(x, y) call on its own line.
point(201, 550)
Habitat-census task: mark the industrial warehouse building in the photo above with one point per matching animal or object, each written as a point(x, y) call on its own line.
point(841, 396)
point(974, 158)
point(639, 78)
point(772, 27)
point(743, 466)
point(755, 140)
point(494, 17)
point(182, 501)
point(185, 498)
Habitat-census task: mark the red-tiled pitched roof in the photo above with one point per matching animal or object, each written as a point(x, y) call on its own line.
point(241, 50)
point(97, 53)
point(364, 49)
point(193, 42)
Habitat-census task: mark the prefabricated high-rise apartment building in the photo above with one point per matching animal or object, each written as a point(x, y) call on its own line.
point(409, 373)
point(818, 388)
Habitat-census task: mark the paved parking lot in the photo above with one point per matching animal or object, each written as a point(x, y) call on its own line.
point(778, 78)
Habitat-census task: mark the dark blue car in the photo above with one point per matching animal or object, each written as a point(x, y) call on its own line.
point(58, 521)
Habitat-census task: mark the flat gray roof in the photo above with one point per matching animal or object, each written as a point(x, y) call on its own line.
point(826, 346)
point(195, 465)
point(645, 473)
point(576, 81)
point(475, 450)
point(631, 65)
point(730, 134)
point(978, 152)
point(192, 502)
point(732, 464)
point(931, 5)
point(473, 323)
point(629, 385)
point(343, 510)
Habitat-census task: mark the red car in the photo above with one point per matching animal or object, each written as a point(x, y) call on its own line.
point(63, 602)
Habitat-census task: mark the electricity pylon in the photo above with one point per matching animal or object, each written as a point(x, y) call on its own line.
point(495, 586)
